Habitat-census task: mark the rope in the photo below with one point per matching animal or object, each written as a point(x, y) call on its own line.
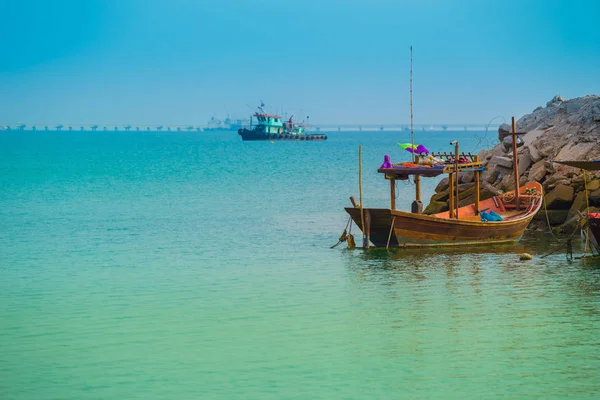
point(547, 218)
point(567, 243)
point(344, 235)
point(587, 210)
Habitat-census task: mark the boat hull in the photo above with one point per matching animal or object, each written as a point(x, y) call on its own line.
point(404, 229)
point(594, 231)
point(417, 230)
point(252, 135)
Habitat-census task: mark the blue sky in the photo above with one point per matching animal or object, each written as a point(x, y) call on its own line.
point(339, 61)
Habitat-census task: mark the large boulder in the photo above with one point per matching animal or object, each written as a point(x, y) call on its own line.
point(435, 207)
point(524, 163)
point(505, 162)
point(593, 185)
point(555, 217)
point(442, 185)
point(579, 204)
point(560, 197)
point(594, 197)
point(537, 171)
point(503, 131)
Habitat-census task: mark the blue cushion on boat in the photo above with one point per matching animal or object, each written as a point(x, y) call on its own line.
point(485, 216)
point(494, 216)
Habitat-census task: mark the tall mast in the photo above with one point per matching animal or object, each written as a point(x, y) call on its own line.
point(412, 131)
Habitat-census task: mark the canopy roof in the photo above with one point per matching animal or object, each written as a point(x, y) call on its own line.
point(593, 165)
point(399, 172)
point(266, 115)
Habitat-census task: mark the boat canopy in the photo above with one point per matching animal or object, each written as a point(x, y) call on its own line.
point(401, 173)
point(593, 165)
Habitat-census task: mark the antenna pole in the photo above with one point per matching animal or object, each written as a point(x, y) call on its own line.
point(412, 131)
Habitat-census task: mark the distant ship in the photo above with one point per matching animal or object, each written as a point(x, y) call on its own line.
point(272, 127)
point(229, 124)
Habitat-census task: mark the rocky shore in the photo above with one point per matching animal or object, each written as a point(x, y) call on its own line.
point(563, 130)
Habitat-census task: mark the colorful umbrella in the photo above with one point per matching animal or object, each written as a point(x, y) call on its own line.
point(417, 149)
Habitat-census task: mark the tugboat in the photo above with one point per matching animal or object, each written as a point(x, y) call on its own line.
point(272, 127)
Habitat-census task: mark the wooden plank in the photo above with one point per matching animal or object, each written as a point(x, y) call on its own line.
point(392, 194)
point(477, 188)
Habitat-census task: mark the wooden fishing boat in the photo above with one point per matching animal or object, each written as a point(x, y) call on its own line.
point(591, 228)
point(457, 226)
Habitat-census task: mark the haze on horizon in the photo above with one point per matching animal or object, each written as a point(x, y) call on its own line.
point(338, 61)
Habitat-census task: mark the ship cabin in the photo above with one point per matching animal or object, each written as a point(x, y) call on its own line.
point(273, 124)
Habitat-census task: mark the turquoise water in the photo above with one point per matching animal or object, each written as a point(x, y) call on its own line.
point(195, 265)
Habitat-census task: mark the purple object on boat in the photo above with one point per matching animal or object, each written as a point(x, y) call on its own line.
point(387, 163)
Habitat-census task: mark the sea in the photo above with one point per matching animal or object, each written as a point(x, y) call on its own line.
point(193, 265)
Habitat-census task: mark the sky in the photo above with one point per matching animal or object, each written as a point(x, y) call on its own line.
point(178, 62)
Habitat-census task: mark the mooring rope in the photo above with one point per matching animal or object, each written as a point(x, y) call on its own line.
point(344, 235)
point(567, 243)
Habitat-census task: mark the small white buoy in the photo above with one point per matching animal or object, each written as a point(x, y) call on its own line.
point(525, 256)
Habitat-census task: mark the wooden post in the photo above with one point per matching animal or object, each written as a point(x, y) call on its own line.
point(515, 163)
point(362, 211)
point(451, 194)
point(418, 187)
point(456, 157)
point(353, 202)
point(393, 194)
point(367, 229)
point(476, 159)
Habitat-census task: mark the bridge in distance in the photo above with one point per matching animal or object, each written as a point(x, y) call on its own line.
point(200, 128)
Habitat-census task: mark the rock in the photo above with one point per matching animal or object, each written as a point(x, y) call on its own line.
point(523, 180)
point(594, 197)
point(524, 163)
point(564, 182)
point(488, 191)
point(504, 130)
point(579, 204)
point(503, 171)
point(435, 207)
point(572, 107)
point(593, 185)
point(534, 153)
point(463, 194)
point(575, 151)
point(490, 177)
point(467, 177)
point(537, 171)
point(466, 201)
point(441, 196)
point(528, 139)
point(556, 99)
point(442, 185)
point(508, 146)
point(502, 161)
point(483, 155)
point(560, 197)
point(507, 183)
point(556, 217)
point(554, 178)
